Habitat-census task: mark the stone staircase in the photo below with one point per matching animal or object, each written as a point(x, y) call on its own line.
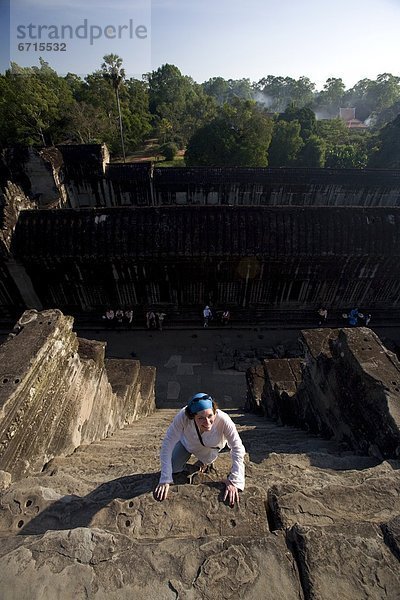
point(311, 523)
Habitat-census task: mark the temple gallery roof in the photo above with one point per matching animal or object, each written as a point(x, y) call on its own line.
point(208, 230)
point(276, 176)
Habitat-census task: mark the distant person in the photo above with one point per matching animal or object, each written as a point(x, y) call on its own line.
point(119, 315)
point(353, 317)
point(207, 315)
point(150, 320)
point(129, 316)
point(110, 315)
point(225, 317)
point(323, 315)
point(367, 319)
point(160, 319)
point(202, 429)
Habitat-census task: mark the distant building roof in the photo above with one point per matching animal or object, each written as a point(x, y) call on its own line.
point(178, 178)
point(356, 124)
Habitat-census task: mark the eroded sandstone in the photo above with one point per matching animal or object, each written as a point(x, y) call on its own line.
point(317, 519)
point(347, 387)
point(55, 392)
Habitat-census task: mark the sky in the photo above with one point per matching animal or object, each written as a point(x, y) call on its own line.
point(351, 39)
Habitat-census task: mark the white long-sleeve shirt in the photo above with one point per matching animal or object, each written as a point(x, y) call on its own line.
point(223, 432)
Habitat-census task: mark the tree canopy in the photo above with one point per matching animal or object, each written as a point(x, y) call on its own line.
point(286, 144)
point(177, 103)
point(277, 120)
point(387, 153)
point(34, 105)
point(240, 135)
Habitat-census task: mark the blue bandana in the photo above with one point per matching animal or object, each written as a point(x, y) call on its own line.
point(200, 402)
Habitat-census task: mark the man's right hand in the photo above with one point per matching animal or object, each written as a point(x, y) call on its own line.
point(161, 491)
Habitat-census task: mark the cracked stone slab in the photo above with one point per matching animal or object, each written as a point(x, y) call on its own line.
point(357, 552)
point(331, 498)
point(189, 511)
point(92, 563)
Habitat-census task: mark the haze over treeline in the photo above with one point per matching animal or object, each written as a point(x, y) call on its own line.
point(276, 121)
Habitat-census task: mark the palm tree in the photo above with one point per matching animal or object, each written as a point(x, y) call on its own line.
point(113, 72)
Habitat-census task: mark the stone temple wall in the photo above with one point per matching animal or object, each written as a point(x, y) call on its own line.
point(58, 392)
point(80, 175)
point(250, 259)
point(347, 387)
point(269, 244)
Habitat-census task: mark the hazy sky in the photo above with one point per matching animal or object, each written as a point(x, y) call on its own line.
point(351, 39)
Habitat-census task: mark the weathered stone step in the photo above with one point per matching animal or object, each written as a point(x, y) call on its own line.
point(92, 516)
point(137, 446)
point(91, 563)
point(101, 484)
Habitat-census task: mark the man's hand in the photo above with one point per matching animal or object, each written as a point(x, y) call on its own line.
point(161, 491)
point(231, 493)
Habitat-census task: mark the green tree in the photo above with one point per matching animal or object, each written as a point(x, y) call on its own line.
point(135, 103)
point(278, 92)
point(286, 144)
point(385, 116)
point(361, 96)
point(387, 152)
point(371, 97)
point(200, 109)
point(76, 85)
point(99, 94)
point(34, 105)
point(304, 116)
point(271, 91)
point(217, 88)
point(96, 102)
point(346, 156)
point(330, 99)
point(238, 136)
point(302, 91)
point(345, 148)
point(112, 71)
point(312, 154)
point(178, 100)
point(88, 124)
point(387, 91)
point(169, 95)
point(163, 129)
point(333, 131)
point(168, 150)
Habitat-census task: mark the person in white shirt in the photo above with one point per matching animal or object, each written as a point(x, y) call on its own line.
point(207, 315)
point(202, 429)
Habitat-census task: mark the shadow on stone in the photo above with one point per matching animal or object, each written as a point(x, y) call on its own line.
point(263, 437)
point(70, 512)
